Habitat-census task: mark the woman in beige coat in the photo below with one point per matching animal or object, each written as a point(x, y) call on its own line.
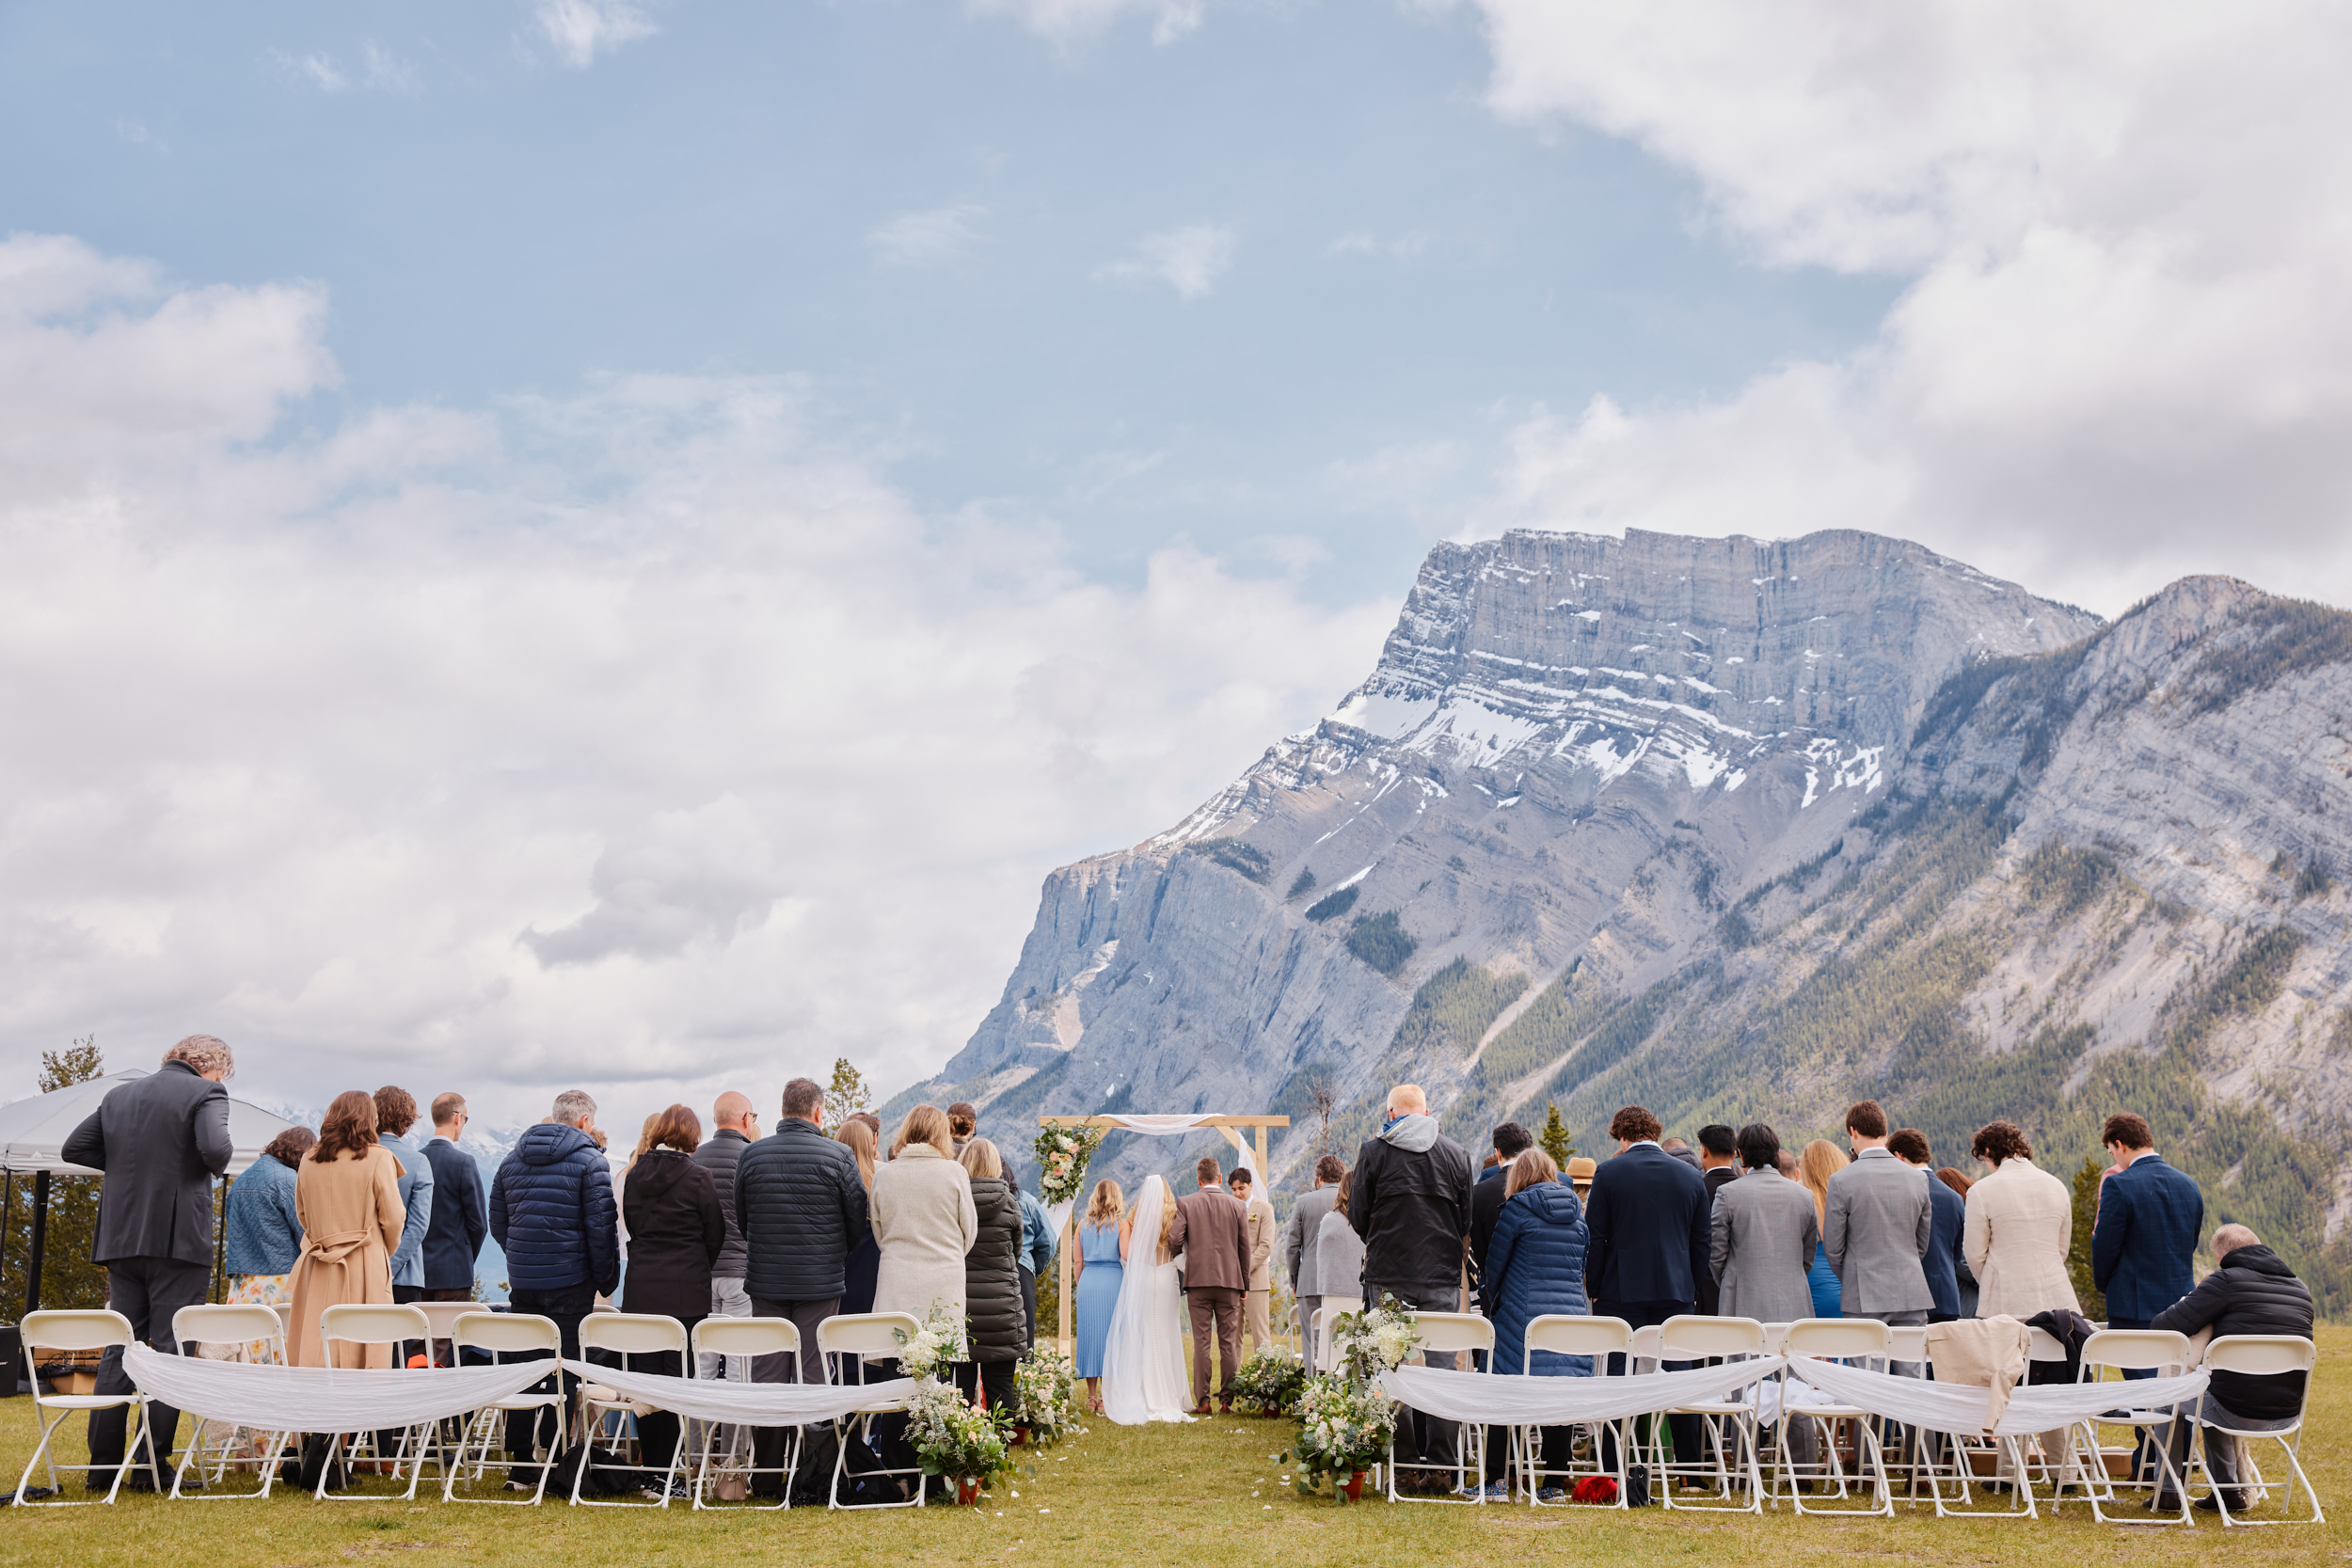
point(347, 1195)
point(2021, 1220)
point(924, 1219)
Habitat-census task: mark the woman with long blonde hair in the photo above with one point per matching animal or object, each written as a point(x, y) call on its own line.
point(924, 1221)
point(1143, 1355)
point(1820, 1161)
point(1101, 1272)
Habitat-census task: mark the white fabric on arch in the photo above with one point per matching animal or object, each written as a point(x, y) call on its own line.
point(1143, 1358)
point(322, 1398)
point(1510, 1399)
point(1961, 1410)
point(1176, 1126)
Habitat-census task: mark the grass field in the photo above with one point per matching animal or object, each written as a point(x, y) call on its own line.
point(1207, 1494)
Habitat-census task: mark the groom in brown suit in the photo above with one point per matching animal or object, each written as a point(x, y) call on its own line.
point(1212, 1232)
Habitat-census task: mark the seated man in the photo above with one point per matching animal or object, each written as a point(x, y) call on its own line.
point(2252, 1293)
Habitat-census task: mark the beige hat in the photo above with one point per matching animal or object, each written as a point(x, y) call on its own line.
point(1581, 1171)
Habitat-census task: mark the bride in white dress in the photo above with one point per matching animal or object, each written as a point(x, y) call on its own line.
point(1143, 1358)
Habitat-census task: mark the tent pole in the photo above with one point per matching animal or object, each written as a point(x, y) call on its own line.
point(7, 1221)
point(1065, 1334)
point(40, 1243)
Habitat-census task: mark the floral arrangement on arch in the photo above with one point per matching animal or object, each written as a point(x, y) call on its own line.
point(1376, 1340)
point(950, 1437)
point(1062, 1153)
point(1344, 1427)
point(1046, 1396)
point(1270, 1380)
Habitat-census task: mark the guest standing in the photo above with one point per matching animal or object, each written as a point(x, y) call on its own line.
point(1876, 1226)
point(857, 1285)
point(1821, 1160)
point(1510, 1141)
point(160, 1140)
point(1212, 1233)
point(1648, 1247)
point(992, 1280)
point(677, 1231)
point(1412, 1206)
point(2018, 1224)
point(1719, 1166)
point(802, 1207)
point(1339, 1255)
point(552, 1210)
point(963, 1121)
point(1763, 1234)
point(1298, 1245)
point(261, 1224)
point(1535, 1265)
point(348, 1195)
point(923, 1219)
point(395, 1114)
point(1951, 1219)
point(1258, 1219)
point(2144, 1248)
point(1952, 1177)
point(460, 1221)
point(1100, 1276)
point(1037, 1249)
point(733, 1126)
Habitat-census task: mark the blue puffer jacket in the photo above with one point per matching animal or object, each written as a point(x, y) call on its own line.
point(1535, 1265)
point(551, 1211)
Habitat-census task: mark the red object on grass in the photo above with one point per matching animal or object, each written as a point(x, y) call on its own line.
point(1595, 1489)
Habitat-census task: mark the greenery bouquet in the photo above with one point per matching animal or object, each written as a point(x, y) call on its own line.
point(931, 1350)
point(1270, 1380)
point(1344, 1427)
point(954, 1440)
point(1374, 1341)
point(1046, 1396)
point(1062, 1153)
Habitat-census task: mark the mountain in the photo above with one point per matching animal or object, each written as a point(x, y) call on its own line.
point(1746, 830)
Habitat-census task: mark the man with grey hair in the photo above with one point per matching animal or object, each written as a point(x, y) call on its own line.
point(2250, 1291)
point(160, 1140)
point(552, 1209)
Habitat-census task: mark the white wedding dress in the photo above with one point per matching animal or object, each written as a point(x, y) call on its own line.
point(1143, 1358)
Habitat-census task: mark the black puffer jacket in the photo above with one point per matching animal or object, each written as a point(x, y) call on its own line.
point(676, 1230)
point(2253, 1292)
point(997, 1325)
point(801, 1207)
point(1411, 1202)
point(719, 1155)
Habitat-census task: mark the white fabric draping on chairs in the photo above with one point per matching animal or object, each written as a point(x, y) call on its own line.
point(322, 1398)
point(1960, 1410)
point(748, 1403)
point(1509, 1399)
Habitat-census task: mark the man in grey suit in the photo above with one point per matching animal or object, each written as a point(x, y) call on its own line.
point(160, 1140)
point(1298, 1245)
point(1762, 1232)
point(1877, 1226)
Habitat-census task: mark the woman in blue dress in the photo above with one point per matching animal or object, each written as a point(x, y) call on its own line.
point(1100, 1276)
point(1820, 1161)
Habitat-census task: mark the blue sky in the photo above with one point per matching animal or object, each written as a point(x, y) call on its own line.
point(925, 213)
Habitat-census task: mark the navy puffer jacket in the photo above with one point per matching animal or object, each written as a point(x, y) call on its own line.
point(800, 1207)
point(1535, 1265)
point(551, 1211)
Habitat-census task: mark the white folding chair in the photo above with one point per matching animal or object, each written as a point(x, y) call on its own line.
point(98, 1330)
point(2261, 1355)
point(1566, 1334)
point(504, 1336)
point(1643, 1357)
point(374, 1324)
point(1690, 1337)
point(625, 1333)
point(440, 1316)
point(743, 1337)
point(209, 1456)
point(1326, 1356)
point(1831, 1339)
point(873, 1335)
point(1455, 1332)
point(2136, 1350)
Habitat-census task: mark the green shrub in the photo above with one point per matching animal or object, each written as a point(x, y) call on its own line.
point(1304, 882)
point(1233, 854)
point(1380, 941)
point(1332, 905)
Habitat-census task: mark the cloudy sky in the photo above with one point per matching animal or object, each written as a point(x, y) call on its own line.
point(615, 541)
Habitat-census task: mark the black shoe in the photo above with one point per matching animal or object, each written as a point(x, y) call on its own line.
point(2214, 1503)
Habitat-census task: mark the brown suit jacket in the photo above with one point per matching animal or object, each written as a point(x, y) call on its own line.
point(1212, 1233)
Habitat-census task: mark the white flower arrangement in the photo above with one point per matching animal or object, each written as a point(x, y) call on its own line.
point(1045, 1392)
point(1344, 1427)
point(1062, 1155)
point(931, 1350)
point(1374, 1341)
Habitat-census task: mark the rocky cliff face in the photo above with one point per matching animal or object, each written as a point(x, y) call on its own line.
point(1745, 831)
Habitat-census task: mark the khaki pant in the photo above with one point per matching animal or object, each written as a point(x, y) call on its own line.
point(1256, 1328)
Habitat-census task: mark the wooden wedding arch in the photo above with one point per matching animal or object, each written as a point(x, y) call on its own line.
point(1231, 1125)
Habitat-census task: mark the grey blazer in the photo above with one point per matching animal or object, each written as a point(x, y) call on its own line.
point(1298, 1243)
point(1876, 1227)
point(160, 1139)
point(1764, 1228)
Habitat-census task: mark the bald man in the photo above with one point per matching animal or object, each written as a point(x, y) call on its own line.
point(737, 1127)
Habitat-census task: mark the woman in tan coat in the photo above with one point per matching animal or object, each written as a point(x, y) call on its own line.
point(347, 1195)
point(924, 1218)
point(2021, 1219)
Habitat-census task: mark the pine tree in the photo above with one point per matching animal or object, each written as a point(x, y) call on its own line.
point(1554, 1137)
point(2094, 1301)
point(847, 1096)
point(68, 1278)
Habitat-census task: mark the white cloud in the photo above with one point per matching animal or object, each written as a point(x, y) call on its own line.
point(1073, 22)
point(938, 236)
point(630, 738)
point(317, 70)
point(583, 29)
point(1190, 260)
point(2126, 352)
point(381, 70)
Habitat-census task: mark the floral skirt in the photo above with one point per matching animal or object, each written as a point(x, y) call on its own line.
point(251, 1289)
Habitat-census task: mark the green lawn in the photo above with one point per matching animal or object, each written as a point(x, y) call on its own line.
point(1207, 1494)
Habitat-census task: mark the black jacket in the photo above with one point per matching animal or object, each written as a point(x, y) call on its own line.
point(1648, 1217)
point(2253, 1292)
point(1486, 1208)
point(801, 1207)
point(1413, 1212)
point(719, 1155)
point(461, 1218)
point(160, 1139)
point(1711, 1291)
point(999, 1323)
point(551, 1211)
point(675, 1233)
point(1943, 1263)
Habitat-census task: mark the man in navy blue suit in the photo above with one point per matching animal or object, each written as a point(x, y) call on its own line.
point(461, 1218)
point(1941, 1263)
point(2142, 1248)
point(1647, 1223)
